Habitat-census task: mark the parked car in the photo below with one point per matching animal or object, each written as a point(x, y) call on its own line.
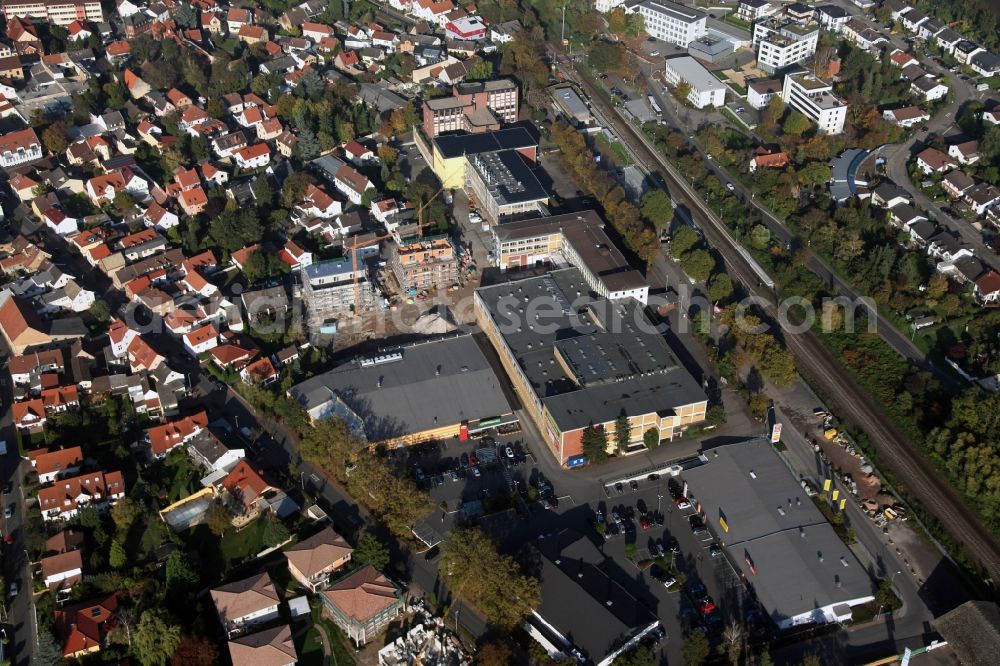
point(510, 453)
point(644, 522)
point(13, 590)
point(715, 550)
point(473, 459)
point(706, 606)
point(682, 502)
point(475, 472)
point(633, 484)
point(697, 524)
point(620, 488)
point(669, 582)
point(8, 513)
point(730, 187)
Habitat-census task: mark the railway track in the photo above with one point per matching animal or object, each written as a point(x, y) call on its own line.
point(815, 361)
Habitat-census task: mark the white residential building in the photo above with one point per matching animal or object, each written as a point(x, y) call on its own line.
point(19, 147)
point(815, 99)
point(671, 22)
point(706, 90)
point(782, 43)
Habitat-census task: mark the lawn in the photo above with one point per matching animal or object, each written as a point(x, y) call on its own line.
point(622, 158)
point(342, 654)
point(218, 558)
point(310, 648)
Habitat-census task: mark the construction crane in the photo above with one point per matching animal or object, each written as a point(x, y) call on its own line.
point(420, 212)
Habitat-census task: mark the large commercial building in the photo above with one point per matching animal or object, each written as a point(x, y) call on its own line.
point(429, 390)
point(815, 99)
point(706, 90)
point(781, 43)
point(423, 265)
point(577, 361)
point(777, 539)
point(672, 22)
point(448, 156)
point(503, 185)
point(328, 290)
point(58, 12)
point(479, 106)
point(576, 239)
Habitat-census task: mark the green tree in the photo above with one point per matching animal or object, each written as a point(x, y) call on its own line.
point(46, 652)
point(219, 519)
point(155, 638)
point(55, 137)
point(720, 288)
point(474, 570)
point(606, 56)
point(640, 656)
point(181, 574)
point(760, 237)
point(124, 203)
point(657, 209)
point(494, 653)
point(595, 444)
point(100, 310)
point(651, 438)
point(274, 532)
point(683, 240)
point(116, 556)
point(772, 113)
point(698, 264)
point(480, 70)
point(695, 649)
point(616, 21)
point(815, 173)
point(371, 551)
point(623, 433)
point(307, 146)
point(124, 513)
point(795, 124)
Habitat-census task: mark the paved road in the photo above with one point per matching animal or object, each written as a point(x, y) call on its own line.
point(817, 364)
point(18, 617)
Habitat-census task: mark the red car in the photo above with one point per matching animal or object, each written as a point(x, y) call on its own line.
point(644, 522)
point(473, 460)
point(706, 606)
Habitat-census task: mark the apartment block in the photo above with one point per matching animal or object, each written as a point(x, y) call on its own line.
point(781, 43)
point(328, 292)
point(424, 265)
point(479, 106)
point(672, 22)
point(814, 98)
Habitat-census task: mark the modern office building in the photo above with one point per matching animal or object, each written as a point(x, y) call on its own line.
point(706, 90)
point(503, 185)
point(478, 106)
point(781, 43)
point(671, 22)
point(328, 292)
point(711, 48)
point(577, 362)
point(575, 239)
point(815, 99)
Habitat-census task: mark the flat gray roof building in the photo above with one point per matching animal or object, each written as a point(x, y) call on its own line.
point(410, 393)
point(570, 104)
point(776, 537)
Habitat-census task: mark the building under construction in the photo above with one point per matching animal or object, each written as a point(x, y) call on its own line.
point(424, 265)
point(328, 289)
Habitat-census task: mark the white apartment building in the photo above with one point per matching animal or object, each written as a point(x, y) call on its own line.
point(706, 90)
point(605, 6)
point(19, 147)
point(671, 22)
point(58, 12)
point(781, 43)
point(815, 99)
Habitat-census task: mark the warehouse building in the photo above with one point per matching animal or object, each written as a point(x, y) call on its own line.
point(430, 390)
point(578, 361)
point(800, 570)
